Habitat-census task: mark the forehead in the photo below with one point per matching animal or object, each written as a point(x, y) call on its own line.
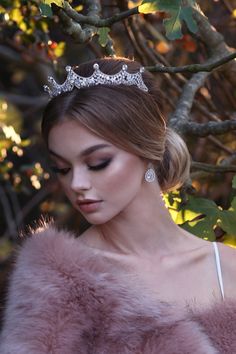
point(69, 137)
point(71, 131)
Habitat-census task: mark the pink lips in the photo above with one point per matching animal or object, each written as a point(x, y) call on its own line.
point(88, 205)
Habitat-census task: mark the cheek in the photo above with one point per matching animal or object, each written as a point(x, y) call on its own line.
point(123, 178)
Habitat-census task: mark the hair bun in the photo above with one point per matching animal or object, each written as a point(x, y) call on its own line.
point(174, 168)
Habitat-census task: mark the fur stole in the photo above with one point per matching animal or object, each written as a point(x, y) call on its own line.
point(62, 299)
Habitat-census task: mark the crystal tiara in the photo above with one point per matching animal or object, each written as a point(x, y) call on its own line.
point(97, 78)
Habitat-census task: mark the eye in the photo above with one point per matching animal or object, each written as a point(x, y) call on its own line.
point(62, 171)
point(100, 166)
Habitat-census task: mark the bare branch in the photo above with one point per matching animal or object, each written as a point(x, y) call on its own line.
point(74, 29)
point(204, 129)
point(183, 108)
point(96, 21)
point(213, 168)
point(215, 43)
point(220, 145)
point(193, 68)
point(219, 50)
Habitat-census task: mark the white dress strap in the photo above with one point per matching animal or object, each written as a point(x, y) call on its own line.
point(218, 267)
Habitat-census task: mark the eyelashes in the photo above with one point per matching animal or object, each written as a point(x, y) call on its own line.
point(64, 171)
point(100, 166)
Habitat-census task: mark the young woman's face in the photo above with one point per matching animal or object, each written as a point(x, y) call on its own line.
point(92, 169)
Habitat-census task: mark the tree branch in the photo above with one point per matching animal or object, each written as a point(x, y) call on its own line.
point(184, 105)
point(212, 168)
point(96, 21)
point(205, 129)
point(219, 50)
point(193, 68)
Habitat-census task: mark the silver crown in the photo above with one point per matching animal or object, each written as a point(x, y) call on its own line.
point(97, 78)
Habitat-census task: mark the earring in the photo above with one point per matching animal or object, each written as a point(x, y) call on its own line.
point(150, 175)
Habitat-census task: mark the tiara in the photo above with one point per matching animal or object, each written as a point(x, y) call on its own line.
point(97, 78)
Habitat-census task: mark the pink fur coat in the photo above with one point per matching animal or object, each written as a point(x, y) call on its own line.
point(63, 299)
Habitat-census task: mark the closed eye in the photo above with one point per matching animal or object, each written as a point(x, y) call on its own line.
point(62, 171)
point(100, 166)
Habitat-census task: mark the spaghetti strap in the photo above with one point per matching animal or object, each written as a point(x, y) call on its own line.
point(218, 267)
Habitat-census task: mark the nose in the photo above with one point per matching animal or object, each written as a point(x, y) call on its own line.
point(80, 181)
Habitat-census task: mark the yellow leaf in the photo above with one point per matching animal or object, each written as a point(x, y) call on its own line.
point(59, 3)
point(16, 15)
point(59, 50)
point(234, 13)
point(79, 8)
point(23, 26)
point(44, 26)
point(230, 241)
point(148, 8)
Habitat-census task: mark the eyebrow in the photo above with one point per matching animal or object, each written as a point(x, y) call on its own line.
point(85, 152)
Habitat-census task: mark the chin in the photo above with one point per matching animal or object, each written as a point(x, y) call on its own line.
point(97, 219)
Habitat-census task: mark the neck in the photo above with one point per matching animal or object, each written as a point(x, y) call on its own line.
point(144, 228)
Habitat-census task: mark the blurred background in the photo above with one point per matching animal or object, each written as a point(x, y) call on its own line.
point(33, 46)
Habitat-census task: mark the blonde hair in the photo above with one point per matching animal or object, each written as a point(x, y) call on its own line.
point(127, 117)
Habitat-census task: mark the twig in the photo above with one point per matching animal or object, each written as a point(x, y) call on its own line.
point(219, 144)
point(193, 68)
point(228, 6)
point(96, 21)
point(213, 168)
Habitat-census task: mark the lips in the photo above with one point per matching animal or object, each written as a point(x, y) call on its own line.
point(88, 205)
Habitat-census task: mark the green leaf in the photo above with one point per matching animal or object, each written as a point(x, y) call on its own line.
point(173, 26)
point(45, 10)
point(177, 13)
point(233, 204)
point(103, 35)
point(228, 222)
point(203, 206)
point(186, 14)
point(234, 182)
point(202, 228)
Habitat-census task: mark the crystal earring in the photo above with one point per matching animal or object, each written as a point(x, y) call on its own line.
point(150, 175)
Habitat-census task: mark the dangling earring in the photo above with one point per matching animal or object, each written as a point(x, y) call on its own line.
point(150, 175)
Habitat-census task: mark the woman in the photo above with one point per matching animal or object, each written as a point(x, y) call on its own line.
point(134, 282)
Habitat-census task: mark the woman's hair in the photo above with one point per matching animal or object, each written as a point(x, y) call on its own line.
point(127, 117)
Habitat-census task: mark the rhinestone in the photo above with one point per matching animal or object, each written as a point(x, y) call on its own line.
point(150, 175)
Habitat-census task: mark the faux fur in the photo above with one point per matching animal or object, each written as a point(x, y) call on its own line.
point(63, 299)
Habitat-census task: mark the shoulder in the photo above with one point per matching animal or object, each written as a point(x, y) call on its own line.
point(47, 245)
point(228, 265)
point(52, 256)
point(52, 264)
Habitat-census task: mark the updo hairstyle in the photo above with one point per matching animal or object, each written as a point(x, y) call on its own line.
point(125, 116)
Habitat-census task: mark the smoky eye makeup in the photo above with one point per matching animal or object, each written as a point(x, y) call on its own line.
point(100, 165)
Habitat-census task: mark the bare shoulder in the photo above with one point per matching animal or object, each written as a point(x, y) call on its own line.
point(228, 265)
